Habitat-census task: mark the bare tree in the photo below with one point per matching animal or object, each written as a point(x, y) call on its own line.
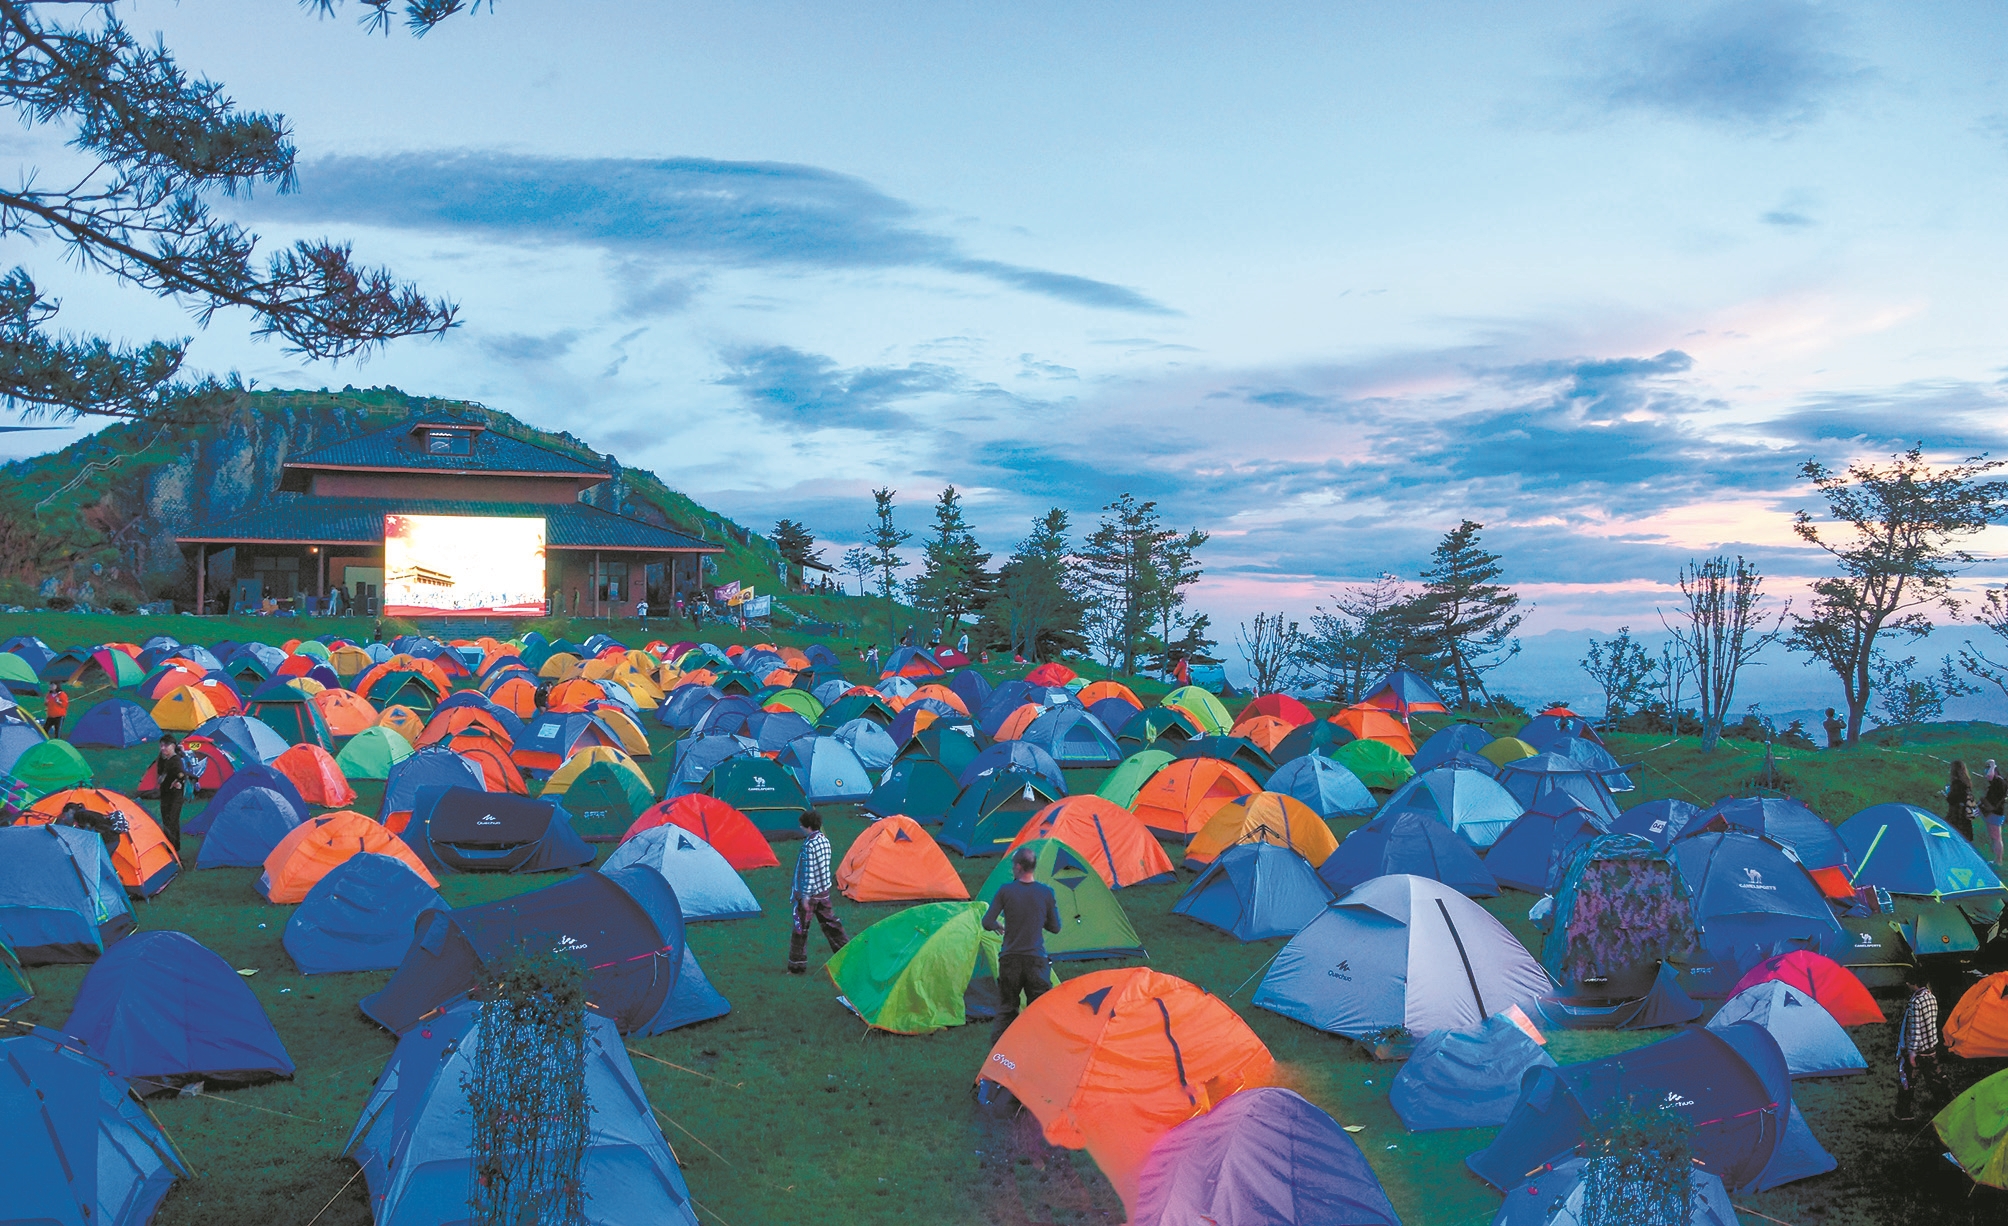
point(1993, 614)
point(1674, 670)
point(1723, 627)
point(1271, 646)
point(1367, 630)
point(1621, 667)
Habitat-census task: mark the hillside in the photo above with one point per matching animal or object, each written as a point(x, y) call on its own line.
point(96, 521)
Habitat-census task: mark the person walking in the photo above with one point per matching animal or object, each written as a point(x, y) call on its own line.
point(55, 705)
point(171, 772)
point(1961, 805)
point(1994, 805)
point(1835, 729)
point(1024, 910)
point(809, 895)
point(641, 611)
point(1916, 1044)
point(872, 662)
point(962, 646)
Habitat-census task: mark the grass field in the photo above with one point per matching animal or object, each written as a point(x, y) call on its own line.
point(788, 1111)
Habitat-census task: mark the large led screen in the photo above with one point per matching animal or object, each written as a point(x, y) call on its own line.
point(462, 565)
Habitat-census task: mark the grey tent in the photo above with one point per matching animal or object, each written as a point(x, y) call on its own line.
point(1466, 1078)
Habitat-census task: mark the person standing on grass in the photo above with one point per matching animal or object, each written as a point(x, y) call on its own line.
point(1994, 805)
point(1916, 1044)
point(172, 775)
point(1961, 805)
point(1028, 910)
point(641, 611)
point(1835, 729)
point(55, 705)
point(810, 896)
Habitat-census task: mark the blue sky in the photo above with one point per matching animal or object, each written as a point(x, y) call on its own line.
point(1322, 279)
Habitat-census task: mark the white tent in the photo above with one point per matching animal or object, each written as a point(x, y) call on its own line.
point(1813, 1042)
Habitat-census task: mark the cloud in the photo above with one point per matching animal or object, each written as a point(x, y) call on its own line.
point(521, 347)
point(1786, 218)
point(810, 391)
point(694, 210)
point(1756, 64)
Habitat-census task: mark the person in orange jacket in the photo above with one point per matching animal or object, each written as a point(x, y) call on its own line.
point(55, 705)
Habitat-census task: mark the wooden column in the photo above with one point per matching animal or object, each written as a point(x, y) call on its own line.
point(201, 578)
point(321, 577)
point(596, 583)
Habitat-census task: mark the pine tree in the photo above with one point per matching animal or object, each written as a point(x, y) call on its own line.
point(1035, 608)
point(793, 541)
point(1466, 620)
point(1120, 563)
point(882, 542)
point(954, 578)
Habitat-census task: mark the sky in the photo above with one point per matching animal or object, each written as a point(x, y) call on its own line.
point(1321, 279)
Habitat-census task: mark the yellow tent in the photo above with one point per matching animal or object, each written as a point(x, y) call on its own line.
point(632, 738)
point(1265, 817)
point(183, 709)
point(574, 766)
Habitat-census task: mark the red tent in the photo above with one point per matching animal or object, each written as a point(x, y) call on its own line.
point(1053, 673)
point(1821, 978)
point(731, 833)
point(1278, 706)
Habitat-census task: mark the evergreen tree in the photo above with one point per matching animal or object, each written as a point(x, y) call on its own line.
point(1035, 608)
point(1120, 563)
point(953, 579)
point(1367, 630)
point(857, 561)
point(793, 541)
point(1464, 618)
point(882, 542)
point(1176, 570)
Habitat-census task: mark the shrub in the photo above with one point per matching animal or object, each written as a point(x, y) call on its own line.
point(1639, 1161)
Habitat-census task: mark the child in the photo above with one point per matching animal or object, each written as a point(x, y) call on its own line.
point(810, 896)
point(55, 705)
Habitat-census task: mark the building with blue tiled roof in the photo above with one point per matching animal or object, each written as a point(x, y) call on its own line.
point(322, 529)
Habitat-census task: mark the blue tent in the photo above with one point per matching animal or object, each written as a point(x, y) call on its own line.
point(245, 737)
point(1535, 852)
point(1532, 780)
point(1466, 1078)
point(117, 724)
point(1594, 756)
point(626, 925)
point(17, 738)
point(1114, 711)
point(1403, 691)
point(435, 766)
point(1544, 730)
point(467, 830)
point(1554, 1197)
point(1905, 850)
point(163, 1010)
point(359, 917)
point(1620, 913)
point(1751, 901)
point(697, 756)
point(1239, 750)
point(972, 687)
point(1014, 755)
point(726, 717)
point(252, 775)
point(873, 745)
point(60, 897)
point(15, 990)
point(771, 731)
point(827, 770)
point(1659, 822)
point(707, 887)
point(1330, 790)
point(1253, 891)
point(1262, 1157)
point(686, 704)
point(510, 721)
point(902, 727)
point(245, 828)
point(1732, 1084)
point(81, 1150)
point(1780, 819)
point(414, 1139)
point(1073, 737)
point(1446, 743)
point(988, 813)
point(1814, 1044)
point(1470, 802)
point(1406, 841)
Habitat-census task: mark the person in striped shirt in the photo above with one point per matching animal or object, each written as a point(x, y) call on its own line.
point(1916, 1045)
point(810, 896)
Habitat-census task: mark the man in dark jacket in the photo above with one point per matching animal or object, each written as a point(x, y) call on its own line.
point(172, 774)
point(1028, 910)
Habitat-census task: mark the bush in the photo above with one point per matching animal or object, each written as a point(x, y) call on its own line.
point(62, 603)
point(1639, 1161)
point(121, 602)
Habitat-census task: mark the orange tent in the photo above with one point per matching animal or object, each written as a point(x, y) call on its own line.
point(1978, 1026)
point(498, 769)
point(1112, 1060)
point(1094, 691)
point(1019, 720)
point(220, 696)
point(1371, 723)
point(144, 859)
point(313, 771)
point(940, 693)
point(731, 833)
point(454, 720)
point(895, 860)
point(345, 711)
point(402, 720)
point(517, 694)
point(1277, 706)
point(1177, 801)
point(1265, 817)
point(573, 695)
point(183, 709)
point(1103, 833)
point(316, 846)
point(1266, 731)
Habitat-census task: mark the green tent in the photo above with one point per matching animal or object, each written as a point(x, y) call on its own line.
point(15, 990)
point(857, 706)
point(1974, 1127)
point(763, 790)
point(604, 800)
point(1375, 763)
point(1939, 928)
point(801, 702)
point(120, 669)
point(919, 788)
point(1203, 707)
point(51, 766)
point(289, 711)
point(16, 675)
point(992, 809)
point(1155, 724)
point(954, 750)
point(1129, 776)
point(372, 752)
point(1092, 922)
point(921, 969)
point(314, 648)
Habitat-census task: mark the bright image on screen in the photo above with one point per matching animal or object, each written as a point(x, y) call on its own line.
point(437, 565)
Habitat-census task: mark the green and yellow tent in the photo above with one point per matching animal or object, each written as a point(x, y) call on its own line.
point(1129, 776)
point(1974, 1127)
point(922, 969)
point(1375, 763)
point(371, 753)
point(1092, 923)
point(1202, 708)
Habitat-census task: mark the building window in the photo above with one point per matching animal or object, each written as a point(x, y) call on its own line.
point(449, 442)
point(614, 582)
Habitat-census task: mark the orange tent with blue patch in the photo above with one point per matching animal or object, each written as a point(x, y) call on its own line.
point(313, 770)
point(1112, 1060)
point(1103, 833)
point(1014, 724)
point(312, 849)
point(144, 859)
point(402, 720)
point(1177, 802)
point(1371, 723)
point(896, 860)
